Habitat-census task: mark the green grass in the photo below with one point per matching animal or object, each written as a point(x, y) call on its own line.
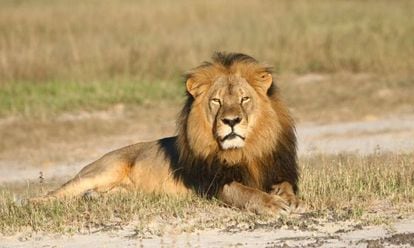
point(366, 189)
point(336, 97)
point(50, 98)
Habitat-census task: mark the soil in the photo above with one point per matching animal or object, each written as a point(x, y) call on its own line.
point(340, 234)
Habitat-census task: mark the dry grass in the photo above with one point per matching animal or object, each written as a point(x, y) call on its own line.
point(358, 182)
point(96, 40)
point(371, 188)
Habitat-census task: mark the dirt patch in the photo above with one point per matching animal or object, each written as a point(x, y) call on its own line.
point(321, 236)
point(388, 134)
point(400, 240)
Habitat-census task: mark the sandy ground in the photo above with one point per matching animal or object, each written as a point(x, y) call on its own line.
point(400, 234)
point(395, 134)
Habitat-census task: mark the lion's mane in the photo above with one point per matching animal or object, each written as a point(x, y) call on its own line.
point(269, 159)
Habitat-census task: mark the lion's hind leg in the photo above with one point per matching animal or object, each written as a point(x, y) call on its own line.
point(101, 176)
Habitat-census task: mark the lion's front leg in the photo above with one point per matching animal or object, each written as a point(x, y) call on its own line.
point(285, 190)
point(252, 199)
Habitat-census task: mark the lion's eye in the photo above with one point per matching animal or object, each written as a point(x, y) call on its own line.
point(245, 99)
point(216, 101)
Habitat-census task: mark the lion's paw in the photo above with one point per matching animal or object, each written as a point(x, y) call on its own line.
point(285, 191)
point(269, 205)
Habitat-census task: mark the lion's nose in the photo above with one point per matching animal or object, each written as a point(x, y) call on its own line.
point(231, 121)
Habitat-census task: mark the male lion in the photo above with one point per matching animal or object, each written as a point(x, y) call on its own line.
point(235, 141)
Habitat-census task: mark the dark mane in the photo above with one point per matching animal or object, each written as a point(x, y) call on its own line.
point(207, 176)
point(228, 59)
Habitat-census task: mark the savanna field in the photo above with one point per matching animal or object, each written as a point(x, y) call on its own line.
point(81, 78)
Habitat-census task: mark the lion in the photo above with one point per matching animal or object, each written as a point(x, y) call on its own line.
point(235, 142)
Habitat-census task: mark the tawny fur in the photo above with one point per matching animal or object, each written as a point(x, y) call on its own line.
point(233, 88)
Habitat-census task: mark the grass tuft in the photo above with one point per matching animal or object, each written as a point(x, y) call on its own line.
point(357, 182)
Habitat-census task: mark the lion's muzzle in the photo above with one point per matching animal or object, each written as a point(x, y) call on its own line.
point(231, 132)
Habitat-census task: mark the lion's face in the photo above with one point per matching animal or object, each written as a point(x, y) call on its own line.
point(230, 106)
point(231, 111)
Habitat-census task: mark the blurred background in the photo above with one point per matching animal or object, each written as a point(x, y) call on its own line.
point(80, 77)
point(69, 55)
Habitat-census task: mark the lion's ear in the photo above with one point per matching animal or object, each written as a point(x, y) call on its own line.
point(265, 80)
point(192, 87)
